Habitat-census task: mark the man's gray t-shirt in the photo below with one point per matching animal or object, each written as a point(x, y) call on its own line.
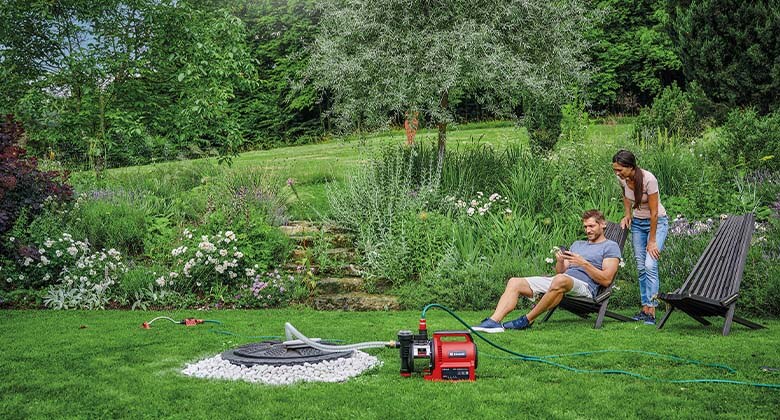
point(594, 254)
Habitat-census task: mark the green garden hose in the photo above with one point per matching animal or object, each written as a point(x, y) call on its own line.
point(544, 359)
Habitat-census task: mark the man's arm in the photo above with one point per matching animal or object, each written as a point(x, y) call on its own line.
point(604, 277)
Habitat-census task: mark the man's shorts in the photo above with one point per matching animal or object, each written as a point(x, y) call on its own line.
point(540, 286)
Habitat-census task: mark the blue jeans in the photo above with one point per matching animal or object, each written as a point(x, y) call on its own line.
point(646, 265)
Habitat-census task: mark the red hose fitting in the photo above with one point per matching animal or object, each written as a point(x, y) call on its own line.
point(191, 322)
point(423, 326)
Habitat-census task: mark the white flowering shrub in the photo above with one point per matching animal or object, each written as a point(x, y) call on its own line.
point(63, 261)
point(78, 277)
point(480, 205)
point(216, 263)
point(200, 262)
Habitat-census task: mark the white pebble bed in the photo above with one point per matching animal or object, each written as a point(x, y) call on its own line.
point(338, 370)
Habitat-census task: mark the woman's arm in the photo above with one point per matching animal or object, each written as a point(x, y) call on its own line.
point(652, 246)
point(625, 223)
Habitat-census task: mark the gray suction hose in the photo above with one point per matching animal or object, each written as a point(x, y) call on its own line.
point(293, 334)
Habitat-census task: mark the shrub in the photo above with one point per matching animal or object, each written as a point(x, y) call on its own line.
point(544, 126)
point(138, 290)
point(76, 276)
point(23, 187)
point(243, 197)
point(468, 169)
point(677, 169)
point(752, 141)
point(414, 245)
point(203, 261)
point(574, 121)
point(761, 281)
point(671, 115)
point(373, 198)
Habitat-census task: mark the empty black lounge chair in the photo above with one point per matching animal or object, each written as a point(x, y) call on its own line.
point(583, 306)
point(712, 288)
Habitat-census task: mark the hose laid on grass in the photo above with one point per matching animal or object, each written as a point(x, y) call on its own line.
point(186, 321)
point(544, 359)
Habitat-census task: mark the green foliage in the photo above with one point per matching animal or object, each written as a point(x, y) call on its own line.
point(574, 121)
point(477, 167)
point(413, 246)
point(478, 249)
point(671, 116)
point(752, 141)
point(759, 294)
point(278, 110)
point(372, 199)
point(122, 83)
point(544, 126)
point(245, 196)
point(111, 219)
point(633, 54)
point(75, 274)
point(730, 49)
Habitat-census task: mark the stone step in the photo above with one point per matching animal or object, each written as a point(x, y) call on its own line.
point(342, 240)
point(351, 270)
point(338, 240)
point(344, 254)
point(299, 228)
point(299, 254)
point(347, 270)
point(305, 241)
point(355, 301)
point(334, 285)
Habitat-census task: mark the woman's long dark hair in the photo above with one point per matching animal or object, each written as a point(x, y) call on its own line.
point(627, 159)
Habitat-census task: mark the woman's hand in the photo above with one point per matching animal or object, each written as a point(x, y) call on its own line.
point(652, 249)
point(625, 222)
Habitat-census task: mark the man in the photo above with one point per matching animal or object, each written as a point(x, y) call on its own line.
point(580, 271)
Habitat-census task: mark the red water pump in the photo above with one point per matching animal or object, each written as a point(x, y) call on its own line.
point(450, 356)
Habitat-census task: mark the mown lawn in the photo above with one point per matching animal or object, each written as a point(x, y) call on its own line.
point(100, 364)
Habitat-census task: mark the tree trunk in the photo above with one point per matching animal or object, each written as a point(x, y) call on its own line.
point(443, 128)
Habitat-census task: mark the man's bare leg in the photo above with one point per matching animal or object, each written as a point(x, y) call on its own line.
point(515, 287)
point(561, 284)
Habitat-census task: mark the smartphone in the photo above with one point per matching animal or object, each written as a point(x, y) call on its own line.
point(563, 249)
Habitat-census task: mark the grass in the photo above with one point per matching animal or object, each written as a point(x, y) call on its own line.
point(314, 165)
point(101, 364)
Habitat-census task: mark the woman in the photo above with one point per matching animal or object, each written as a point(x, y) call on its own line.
point(649, 226)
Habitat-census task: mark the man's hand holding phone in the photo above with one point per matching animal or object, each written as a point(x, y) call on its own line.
point(562, 252)
point(571, 258)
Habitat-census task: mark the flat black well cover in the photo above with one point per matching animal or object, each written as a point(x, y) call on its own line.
point(275, 353)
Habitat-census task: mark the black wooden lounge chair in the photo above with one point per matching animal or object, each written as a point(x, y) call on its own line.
point(712, 288)
point(583, 306)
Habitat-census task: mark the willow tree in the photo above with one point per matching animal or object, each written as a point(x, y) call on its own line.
point(376, 59)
